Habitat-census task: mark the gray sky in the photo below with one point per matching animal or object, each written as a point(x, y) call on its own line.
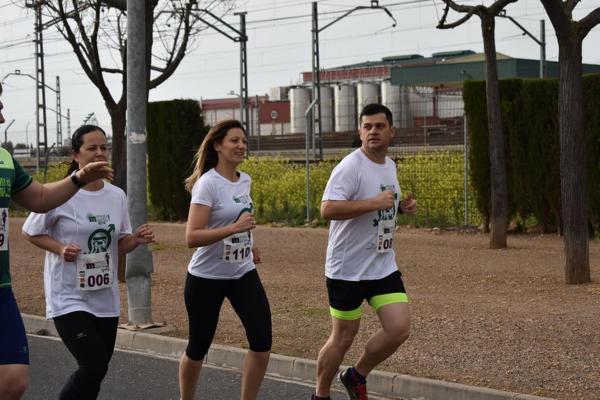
point(279, 49)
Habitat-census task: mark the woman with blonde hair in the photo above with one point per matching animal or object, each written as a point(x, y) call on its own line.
point(219, 226)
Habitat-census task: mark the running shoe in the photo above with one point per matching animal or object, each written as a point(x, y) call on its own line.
point(356, 388)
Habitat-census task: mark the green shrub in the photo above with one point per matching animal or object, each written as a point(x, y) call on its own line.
point(175, 130)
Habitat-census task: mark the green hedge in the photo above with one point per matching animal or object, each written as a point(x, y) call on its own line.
point(591, 97)
point(175, 131)
point(531, 124)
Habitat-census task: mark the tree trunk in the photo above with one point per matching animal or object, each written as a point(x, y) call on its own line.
point(572, 162)
point(499, 201)
point(119, 148)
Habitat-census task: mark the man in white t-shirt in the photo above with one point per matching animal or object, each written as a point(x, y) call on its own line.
point(362, 199)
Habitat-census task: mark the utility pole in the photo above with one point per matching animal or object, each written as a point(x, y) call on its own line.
point(58, 113)
point(40, 95)
point(139, 262)
point(244, 73)
point(316, 68)
point(6, 132)
point(242, 39)
point(59, 140)
point(541, 41)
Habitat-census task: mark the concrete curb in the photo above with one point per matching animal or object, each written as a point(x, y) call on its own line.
point(381, 383)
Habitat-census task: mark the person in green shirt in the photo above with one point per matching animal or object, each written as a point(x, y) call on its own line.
point(17, 185)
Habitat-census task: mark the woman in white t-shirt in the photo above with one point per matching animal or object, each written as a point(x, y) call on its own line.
point(83, 239)
point(219, 224)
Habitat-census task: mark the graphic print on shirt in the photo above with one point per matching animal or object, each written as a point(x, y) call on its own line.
point(390, 213)
point(238, 247)
point(94, 268)
point(386, 224)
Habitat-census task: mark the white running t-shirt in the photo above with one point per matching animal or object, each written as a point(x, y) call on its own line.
point(228, 201)
point(95, 221)
point(352, 247)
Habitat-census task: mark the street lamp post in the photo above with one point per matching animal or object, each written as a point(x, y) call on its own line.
point(39, 117)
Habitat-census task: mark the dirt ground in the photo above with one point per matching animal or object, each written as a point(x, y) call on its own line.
point(497, 318)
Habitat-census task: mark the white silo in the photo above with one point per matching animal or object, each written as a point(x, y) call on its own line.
point(366, 93)
point(326, 109)
point(345, 107)
point(299, 101)
point(390, 97)
point(405, 117)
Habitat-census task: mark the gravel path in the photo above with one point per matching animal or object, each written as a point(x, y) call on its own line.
point(497, 318)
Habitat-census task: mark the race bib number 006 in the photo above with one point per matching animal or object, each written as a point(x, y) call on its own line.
point(237, 248)
point(385, 235)
point(94, 271)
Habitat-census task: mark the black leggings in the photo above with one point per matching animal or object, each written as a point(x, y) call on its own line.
point(91, 340)
point(203, 300)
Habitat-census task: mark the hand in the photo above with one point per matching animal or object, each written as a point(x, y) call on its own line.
point(69, 252)
point(384, 200)
point(143, 234)
point(95, 170)
point(256, 255)
point(244, 223)
point(409, 204)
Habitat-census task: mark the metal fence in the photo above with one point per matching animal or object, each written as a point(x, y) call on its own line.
point(430, 148)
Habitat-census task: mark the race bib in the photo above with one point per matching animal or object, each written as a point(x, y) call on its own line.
point(385, 235)
point(94, 271)
point(3, 229)
point(237, 248)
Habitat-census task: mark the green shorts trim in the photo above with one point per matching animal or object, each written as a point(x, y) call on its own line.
point(351, 315)
point(384, 299)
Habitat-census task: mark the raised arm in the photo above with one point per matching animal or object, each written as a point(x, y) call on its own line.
point(197, 234)
point(41, 198)
point(347, 209)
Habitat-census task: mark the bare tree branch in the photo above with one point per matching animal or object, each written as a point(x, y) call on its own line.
point(589, 22)
point(450, 4)
point(570, 6)
point(558, 15)
point(172, 66)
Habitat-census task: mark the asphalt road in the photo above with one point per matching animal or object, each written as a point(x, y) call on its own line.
point(133, 376)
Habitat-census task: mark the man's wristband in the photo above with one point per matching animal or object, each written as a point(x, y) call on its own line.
point(76, 181)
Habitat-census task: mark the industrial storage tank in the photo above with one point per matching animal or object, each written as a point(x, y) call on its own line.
point(390, 97)
point(366, 93)
point(345, 107)
point(326, 109)
point(299, 102)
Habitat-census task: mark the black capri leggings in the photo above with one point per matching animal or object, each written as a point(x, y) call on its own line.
point(91, 340)
point(203, 300)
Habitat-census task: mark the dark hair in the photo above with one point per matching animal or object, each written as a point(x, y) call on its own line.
point(207, 157)
point(374, 108)
point(77, 141)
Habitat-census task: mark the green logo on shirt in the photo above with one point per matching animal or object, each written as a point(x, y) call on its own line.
point(99, 240)
point(390, 213)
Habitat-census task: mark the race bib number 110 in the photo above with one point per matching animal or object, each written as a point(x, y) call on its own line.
point(237, 248)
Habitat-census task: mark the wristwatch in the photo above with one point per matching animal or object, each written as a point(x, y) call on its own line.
point(76, 181)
